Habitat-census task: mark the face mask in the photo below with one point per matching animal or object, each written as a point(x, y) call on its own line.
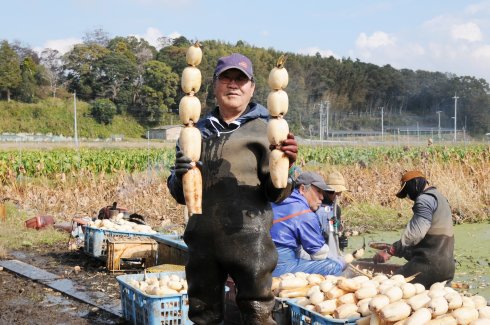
point(415, 187)
point(326, 199)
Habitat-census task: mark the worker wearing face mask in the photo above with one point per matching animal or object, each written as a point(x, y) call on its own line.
point(329, 214)
point(428, 240)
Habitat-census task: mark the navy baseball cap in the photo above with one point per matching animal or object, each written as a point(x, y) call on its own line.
point(234, 61)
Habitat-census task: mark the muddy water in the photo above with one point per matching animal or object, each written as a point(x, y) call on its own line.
point(472, 253)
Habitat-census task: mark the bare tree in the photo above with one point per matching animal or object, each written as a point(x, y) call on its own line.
point(51, 60)
point(165, 41)
point(24, 51)
point(97, 36)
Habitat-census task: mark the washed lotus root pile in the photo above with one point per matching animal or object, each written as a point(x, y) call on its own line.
point(119, 224)
point(162, 285)
point(382, 299)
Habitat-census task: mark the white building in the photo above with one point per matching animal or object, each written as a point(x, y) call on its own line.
point(165, 132)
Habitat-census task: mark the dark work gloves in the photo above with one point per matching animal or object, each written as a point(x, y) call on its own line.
point(381, 257)
point(182, 164)
point(290, 148)
point(384, 255)
point(343, 242)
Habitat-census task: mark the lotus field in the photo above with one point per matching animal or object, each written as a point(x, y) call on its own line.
point(63, 182)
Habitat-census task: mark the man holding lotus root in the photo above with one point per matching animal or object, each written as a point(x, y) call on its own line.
point(232, 235)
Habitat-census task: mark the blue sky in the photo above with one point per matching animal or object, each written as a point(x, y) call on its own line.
point(434, 35)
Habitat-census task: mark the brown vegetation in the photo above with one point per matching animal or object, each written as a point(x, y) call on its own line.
point(465, 186)
point(85, 194)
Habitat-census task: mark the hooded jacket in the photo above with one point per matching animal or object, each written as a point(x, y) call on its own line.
point(237, 186)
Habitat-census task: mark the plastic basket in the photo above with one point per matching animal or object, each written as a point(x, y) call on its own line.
point(140, 308)
point(302, 316)
point(96, 239)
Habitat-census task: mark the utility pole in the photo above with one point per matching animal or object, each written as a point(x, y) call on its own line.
point(418, 132)
point(382, 124)
point(148, 152)
point(439, 124)
point(328, 108)
point(464, 129)
point(75, 117)
point(455, 114)
point(321, 122)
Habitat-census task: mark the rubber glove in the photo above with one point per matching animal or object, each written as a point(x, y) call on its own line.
point(182, 164)
point(290, 148)
point(384, 255)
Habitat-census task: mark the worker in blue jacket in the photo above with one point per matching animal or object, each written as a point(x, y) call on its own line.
point(296, 227)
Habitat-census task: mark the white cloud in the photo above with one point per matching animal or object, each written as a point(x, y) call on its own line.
point(416, 49)
point(451, 42)
point(62, 45)
point(478, 8)
point(377, 39)
point(314, 50)
point(469, 32)
point(264, 33)
point(437, 22)
point(152, 35)
point(167, 3)
point(482, 53)
point(174, 35)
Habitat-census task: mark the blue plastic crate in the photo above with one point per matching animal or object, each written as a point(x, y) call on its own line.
point(140, 308)
point(96, 239)
point(302, 316)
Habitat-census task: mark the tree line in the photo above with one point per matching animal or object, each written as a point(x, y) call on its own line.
point(127, 75)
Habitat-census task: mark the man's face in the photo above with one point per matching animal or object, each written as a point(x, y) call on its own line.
point(233, 90)
point(313, 195)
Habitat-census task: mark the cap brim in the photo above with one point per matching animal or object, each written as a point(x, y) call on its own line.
point(338, 188)
point(234, 67)
point(323, 186)
point(402, 193)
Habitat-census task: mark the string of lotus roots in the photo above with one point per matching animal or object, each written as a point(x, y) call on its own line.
point(190, 136)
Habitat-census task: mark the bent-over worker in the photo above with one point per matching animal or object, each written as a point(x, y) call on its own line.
point(428, 240)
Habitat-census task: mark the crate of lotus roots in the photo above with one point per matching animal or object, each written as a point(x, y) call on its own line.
point(97, 232)
point(154, 298)
point(303, 316)
point(314, 299)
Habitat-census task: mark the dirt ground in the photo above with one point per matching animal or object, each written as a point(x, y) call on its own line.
point(24, 301)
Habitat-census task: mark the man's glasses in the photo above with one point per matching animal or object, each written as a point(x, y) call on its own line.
point(226, 80)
